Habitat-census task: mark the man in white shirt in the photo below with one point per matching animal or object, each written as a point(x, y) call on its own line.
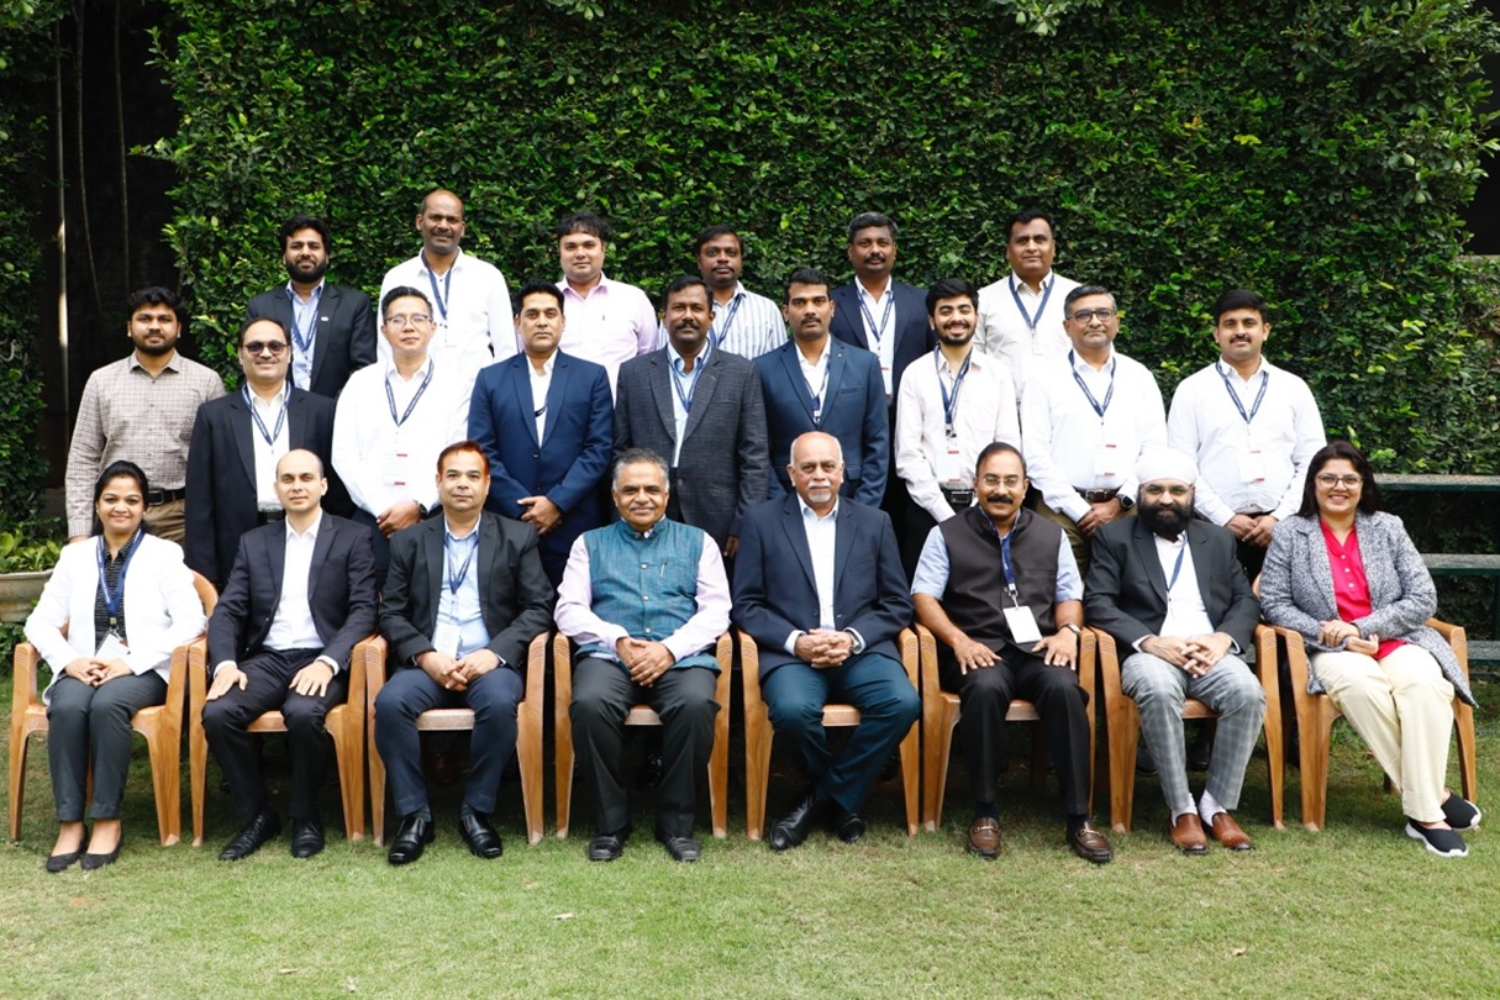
point(1250, 426)
point(1021, 315)
point(1089, 414)
point(609, 322)
point(953, 404)
point(393, 419)
point(470, 300)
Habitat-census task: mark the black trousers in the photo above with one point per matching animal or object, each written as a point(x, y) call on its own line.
point(87, 724)
point(226, 721)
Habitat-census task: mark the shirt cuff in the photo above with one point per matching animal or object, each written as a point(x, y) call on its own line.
point(791, 641)
point(859, 641)
point(331, 664)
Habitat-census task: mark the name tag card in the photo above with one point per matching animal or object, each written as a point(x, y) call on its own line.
point(1109, 461)
point(396, 469)
point(1253, 466)
point(1022, 625)
point(112, 649)
point(445, 639)
point(950, 467)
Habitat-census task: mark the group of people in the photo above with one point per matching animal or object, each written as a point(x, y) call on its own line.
point(819, 475)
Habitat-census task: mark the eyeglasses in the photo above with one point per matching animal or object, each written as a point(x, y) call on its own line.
point(1177, 492)
point(1009, 482)
point(1084, 315)
point(415, 319)
point(258, 347)
point(1329, 480)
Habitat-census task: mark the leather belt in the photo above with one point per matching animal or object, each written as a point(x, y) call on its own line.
point(155, 498)
point(1098, 496)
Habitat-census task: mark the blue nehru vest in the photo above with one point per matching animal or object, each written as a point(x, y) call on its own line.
point(647, 584)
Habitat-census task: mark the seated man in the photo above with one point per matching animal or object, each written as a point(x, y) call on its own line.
point(677, 605)
point(999, 588)
point(818, 585)
point(465, 596)
point(1170, 588)
point(300, 595)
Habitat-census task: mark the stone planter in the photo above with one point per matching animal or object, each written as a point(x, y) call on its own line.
point(19, 593)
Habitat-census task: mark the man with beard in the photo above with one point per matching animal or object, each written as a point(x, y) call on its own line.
point(744, 323)
point(1168, 587)
point(951, 406)
point(142, 409)
point(998, 587)
point(1021, 315)
point(332, 327)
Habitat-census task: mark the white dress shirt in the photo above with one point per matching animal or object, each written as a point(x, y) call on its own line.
point(815, 377)
point(267, 454)
point(477, 327)
point(1069, 447)
point(878, 317)
point(610, 325)
point(1017, 338)
point(1186, 614)
point(822, 536)
point(984, 412)
point(541, 384)
point(1246, 465)
point(748, 325)
point(292, 624)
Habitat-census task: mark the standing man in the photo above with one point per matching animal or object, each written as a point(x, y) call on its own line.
point(611, 322)
point(470, 300)
point(700, 407)
point(300, 595)
point(998, 587)
point(953, 404)
point(744, 323)
point(1250, 426)
point(819, 587)
point(141, 409)
point(815, 383)
point(332, 327)
point(393, 419)
point(1089, 414)
point(237, 441)
point(1021, 315)
point(546, 422)
point(465, 597)
point(647, 635)
point(876, 312)
point(1169, 589)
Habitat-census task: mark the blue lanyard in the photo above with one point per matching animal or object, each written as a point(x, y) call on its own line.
point(877, 332)
point(390, 396)
point(686, 398)
point(260, 425)
point(303, 340)
point(1177, 568)
point(950, 403)
point(1099, 408)
point(1265, 377)
point(1047, 294)
point(734, 307)
point(456, 577)
point(439, 299)
point(112, 601)
point(1005, 564)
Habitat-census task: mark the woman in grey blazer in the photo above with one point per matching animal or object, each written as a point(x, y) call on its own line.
point(1348, 578)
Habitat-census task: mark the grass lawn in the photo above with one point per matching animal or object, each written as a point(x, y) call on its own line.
point(1358, 910)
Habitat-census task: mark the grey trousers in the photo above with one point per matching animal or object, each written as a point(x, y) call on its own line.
point(1230, 688)
point(92, 725)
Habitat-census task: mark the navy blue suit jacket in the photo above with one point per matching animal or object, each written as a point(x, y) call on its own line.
point(854, 412)
point(346, 333)
point(914, 336)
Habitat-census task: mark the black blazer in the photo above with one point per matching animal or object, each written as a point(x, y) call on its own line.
point(515, 595)
point(340, 591)
point(346, 333)
point(723, 468)
point(914, 336)
point(221, 498)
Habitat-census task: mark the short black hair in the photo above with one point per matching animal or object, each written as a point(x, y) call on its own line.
point(1369, 494)
point(539, 286)
point(950, 288)
point(803, 276)
point(1026, 215)
point(297, 223)
point(682, 281)
point(999, 448)
point(584, 222)
point(247, 324)
point(1239, 298)
point(872, 220)
point(713, 233)
point(1083, 291)
point(402, 292)
point(156, 295)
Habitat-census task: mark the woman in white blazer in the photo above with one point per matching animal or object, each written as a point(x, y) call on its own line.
point(1347, 576)
point(116, 606)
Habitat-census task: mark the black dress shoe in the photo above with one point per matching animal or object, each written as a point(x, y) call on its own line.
point(681, 848)
point(847, 826)
point(481, 837)
point(792, 829)
point(262, 828)
point(93, 862)
point(307, 838)
point(62, 862)
point(414, 834)
point(608, 846)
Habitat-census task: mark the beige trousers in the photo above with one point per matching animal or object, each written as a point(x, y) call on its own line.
point(167, 521)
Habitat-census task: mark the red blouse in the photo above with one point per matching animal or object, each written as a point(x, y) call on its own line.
point(1351, 589)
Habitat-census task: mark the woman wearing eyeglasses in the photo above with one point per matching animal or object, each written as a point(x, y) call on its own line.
point(1348, 578)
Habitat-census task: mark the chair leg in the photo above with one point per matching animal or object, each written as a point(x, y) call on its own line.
point(1275, 764)
point(197, 776)
point(564, 770)
point(1124, 731)
point(17, 778)
point(529, 757)
point(347, 742)
point(935, 780)
point(911, 778)
point(1317, 730)
point(1464, 722)
point(758, 737)
point(166, 780)
point(718, 775)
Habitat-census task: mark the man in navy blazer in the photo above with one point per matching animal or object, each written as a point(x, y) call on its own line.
point(332, 326)
point(816, 383)
point(874, 311)
point(300, 595)
point(231, 472)
point(820, 589)
point(546, 420)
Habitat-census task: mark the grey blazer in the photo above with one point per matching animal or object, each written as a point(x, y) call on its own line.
point(1296, 589)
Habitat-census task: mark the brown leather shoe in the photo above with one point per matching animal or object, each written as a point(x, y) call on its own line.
point(984, 838)
point(1187, 834)
point(1227, 832)
point(1089, 844)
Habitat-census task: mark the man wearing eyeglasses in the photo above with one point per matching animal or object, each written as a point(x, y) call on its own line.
point(237, 441)
point(998, 587)
point(1088, 415)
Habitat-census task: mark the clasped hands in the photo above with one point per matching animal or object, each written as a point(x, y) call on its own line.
point(824, 647)
point(94, 672)
point(645, 660)
point(457, 675)
point(1334, 633)
point(1196, 655)
point(312, 679)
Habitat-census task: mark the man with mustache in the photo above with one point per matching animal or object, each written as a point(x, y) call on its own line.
point(998, 587)
point(1167, 586)
point(1021, 315)
point(331, 327)
point(744, 323)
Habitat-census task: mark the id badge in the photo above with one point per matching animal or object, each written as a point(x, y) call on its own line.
point(396, 468)
point(1108, 461)
point(1252, 466)
point(445, 639)
point(1022, 623)
point(950, 468)
point(112, 648)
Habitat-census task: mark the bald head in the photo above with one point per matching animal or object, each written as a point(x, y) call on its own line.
point(817, 470)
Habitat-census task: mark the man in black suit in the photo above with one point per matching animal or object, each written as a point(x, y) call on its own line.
point(820, 589)
point(237, 440)
point(300, 595)
point(701, 408)
point(332, 326)
point(465, 596)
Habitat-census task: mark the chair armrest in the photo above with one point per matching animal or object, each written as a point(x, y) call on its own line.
point(535, 677)
point(1109, 663)
point(910, 659)
point(724, 654)
point(1457, 637)
point(366, 668)
point(25, 660)
point(1088, 656)
point(927, 655)
point(562, 680)
point(750, 673)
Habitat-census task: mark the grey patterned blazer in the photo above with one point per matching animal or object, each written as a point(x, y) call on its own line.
point(1296, 589)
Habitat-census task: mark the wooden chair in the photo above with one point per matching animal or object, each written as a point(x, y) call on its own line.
point(345, 723)
point(759, 734)
point(1125, 726)
point(940, 710)
point(1316, 712)
point(642, 715)
point(161, 725)
point(528, 736)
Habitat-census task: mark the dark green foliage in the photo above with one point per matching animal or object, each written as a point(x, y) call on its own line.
point(1317, 152)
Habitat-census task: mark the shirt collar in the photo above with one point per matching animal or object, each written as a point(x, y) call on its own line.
point(394, 377)
point(808, 514)
point(677, 360)
point(601, 287)
point(865, 294)
point(317, 291)
point(275, 402)
point(175, 364)
point(312, 529)
point(1228, 371)
point(802, 358)
point(422, 267)
point(1021, 288)
point(450, 536)
point(1083, 367)
point(546, 365)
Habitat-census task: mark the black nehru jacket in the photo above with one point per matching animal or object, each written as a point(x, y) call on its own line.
point(976, 594)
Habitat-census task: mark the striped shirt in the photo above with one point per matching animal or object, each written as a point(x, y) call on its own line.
point(756, 327)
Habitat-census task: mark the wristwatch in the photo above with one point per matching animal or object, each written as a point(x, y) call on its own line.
point(1072, 628)
point(1126, 500)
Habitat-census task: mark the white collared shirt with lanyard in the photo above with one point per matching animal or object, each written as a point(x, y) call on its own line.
point(1253, 458)
point(398, 472)
point(815, 376)
point(440, 298)
point(1186, 614)
point(1109, 462)
point(1038, 346)
point(270, 443)
point(304, 334)
point(882, 335)
point(950, 461)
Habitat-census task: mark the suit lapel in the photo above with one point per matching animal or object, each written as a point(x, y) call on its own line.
point(432, 555)
point(242, 425)
point(521, 372)
point(791, 522)
point(489, 548)
point(843, 543)
point(703, 394)
point(327, 303)
point(836, 365)
point(791, 359)
point(326, 532)
point(276, 556)
point(1197, 540)
point(561, 368)
point(1145, 543)
point(661, 394)
point(296, 427)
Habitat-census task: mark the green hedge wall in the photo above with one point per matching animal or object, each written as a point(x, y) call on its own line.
point(1316, 151)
